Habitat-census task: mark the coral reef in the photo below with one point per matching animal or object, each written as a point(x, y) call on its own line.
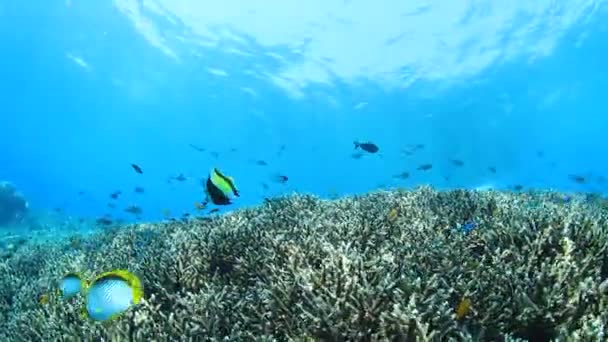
point(384, 266)
point(13, 206)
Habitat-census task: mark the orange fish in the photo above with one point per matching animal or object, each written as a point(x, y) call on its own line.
point(463, 307)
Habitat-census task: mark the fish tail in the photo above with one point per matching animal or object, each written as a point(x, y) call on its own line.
point(356, 144)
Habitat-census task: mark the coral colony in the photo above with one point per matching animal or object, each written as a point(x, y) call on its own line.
point(384, 266)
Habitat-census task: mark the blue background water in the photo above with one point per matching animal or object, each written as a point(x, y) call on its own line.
point(89, 88)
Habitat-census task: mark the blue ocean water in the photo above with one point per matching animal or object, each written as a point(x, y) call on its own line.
point(90, 87)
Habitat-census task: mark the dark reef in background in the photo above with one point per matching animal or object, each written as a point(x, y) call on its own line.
point(13, 207)
point(385, 266)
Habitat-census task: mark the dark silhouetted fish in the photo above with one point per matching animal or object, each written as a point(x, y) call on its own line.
point(178, 178)
point(457, 162)
point(402, 175)
point(261, 163)
point(518, 187)
point(578, 179)
point(281, 179)
point(425, 167)
point(367, 146)
point(115, 194)
point(214, 210)
point(356, 155)
point(200, 149)
point(492, 169)
point(411, 149)
point(104, 221)
point(139, 190)
point(200, 205)
point(137, 168)
point(133, 209)
point(281, 150)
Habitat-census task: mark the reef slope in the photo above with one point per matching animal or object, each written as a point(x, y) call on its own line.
point(388, 265)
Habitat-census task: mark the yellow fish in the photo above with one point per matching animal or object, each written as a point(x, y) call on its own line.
point(463, 307)
point(43, 299)
point(392, 214)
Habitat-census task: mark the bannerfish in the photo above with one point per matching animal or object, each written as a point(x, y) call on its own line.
point(219, 187)
point(367, 146)
point(111, 294)
point(70, 285)
point(137, 168)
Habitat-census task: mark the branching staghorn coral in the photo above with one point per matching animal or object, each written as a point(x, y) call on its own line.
point(384, 266)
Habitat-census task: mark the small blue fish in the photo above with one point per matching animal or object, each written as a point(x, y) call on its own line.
point(468, 226)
